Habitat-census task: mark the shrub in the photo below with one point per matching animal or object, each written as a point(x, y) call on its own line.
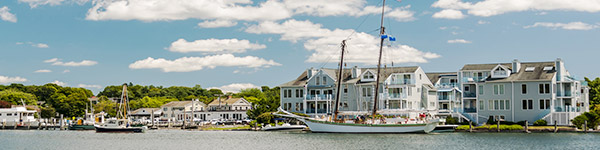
point(540, 122)
point(591, 118)
point(264, 117)
point(451, 120)
point(506, 127)
point(252, 123)
point(462, 127)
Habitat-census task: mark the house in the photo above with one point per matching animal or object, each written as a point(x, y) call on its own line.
point(145, 113)
point(226, 109)
point(180, 110)
point(449, 94)
point(403, 91)
point(520, 91)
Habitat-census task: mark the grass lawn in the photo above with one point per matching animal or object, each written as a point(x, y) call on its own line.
point(549, 127)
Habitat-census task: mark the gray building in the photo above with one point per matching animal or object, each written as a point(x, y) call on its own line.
point(403, 91)
point(449, 94)
point(520, 91)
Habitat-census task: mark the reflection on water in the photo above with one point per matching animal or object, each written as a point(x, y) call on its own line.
point(177, 139)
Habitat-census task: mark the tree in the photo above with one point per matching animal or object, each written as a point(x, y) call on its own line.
point(594, 86)
point(48, 112)
point(5, 104)
point(592, 119)
point(109, 107)
point(14, 97)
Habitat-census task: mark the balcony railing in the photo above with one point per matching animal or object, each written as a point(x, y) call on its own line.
point(446, 85)
point(397, 95)
point(320, 111)
point(473, 79)
point(470, 94)
point(319, 97)
point(564, 94)
point(470, 110)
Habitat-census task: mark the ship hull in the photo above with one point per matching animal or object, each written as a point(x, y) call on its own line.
point(120, 129)
point(330, 127)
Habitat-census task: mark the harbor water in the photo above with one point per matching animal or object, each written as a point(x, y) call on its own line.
point(180, 139)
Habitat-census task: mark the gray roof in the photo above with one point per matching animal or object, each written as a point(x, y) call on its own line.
point(347, 75)
point(473, 67)
point(435, 76)
point(145, 111)
point(177, 104)
point(538, 74)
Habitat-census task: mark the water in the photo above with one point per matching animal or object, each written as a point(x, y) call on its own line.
point(178, 139)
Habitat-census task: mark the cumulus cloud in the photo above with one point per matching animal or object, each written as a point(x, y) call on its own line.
point(235, 87)
point(459, 41)
point(566, 26)
point(214, 46)
point(6, 15)
point(324, 43)
point(483, 22)
point(488, 8)
point(38, 45)
point(5, 80)
point(59, 83)
point(449, 14)
point(66, 71)
point(58, 62)
point(222, 13)
point(43, 71)
point(90, 86)
point(188, 64)
point(36, 3)
point(217, 23)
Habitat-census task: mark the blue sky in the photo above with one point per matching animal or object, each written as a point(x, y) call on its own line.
point(242, 43)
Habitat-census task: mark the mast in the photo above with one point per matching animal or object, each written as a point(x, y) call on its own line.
point(379, 62)
point(341, 70)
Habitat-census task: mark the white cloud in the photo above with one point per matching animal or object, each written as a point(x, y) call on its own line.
point(38, 45)
point(43, 71)
point(235, 87)
point(233, 10)
point(483, 22)
point(541, 13)
point(36, 3)
point(66, 71)
point(89, 86)
point(5, 79)
point(214, 46)
point(488, 8)
point(59, 83)
point(188, 64)
point(566, 26)
point(58, 62)
point(449, 14)
point(324, 43)
point(459, 41)
point(6, 15)
point(217, 23)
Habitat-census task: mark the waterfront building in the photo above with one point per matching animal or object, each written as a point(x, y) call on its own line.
point(180, 110)
point(404, 91)
point(520, 91)
point(449, 94)
point(145, 113)
point(226, 109)
point(16, 115)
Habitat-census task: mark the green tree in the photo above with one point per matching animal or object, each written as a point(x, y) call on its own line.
point(14, 97)
point(47, 112)
point(107, 106)
point(594, 86)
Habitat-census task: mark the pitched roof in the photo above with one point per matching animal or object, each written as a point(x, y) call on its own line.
point(229, 101)
point(347, 74)
point(536, 75)
point(473, 67)
point(435, 76)
point(144, 111)
point(177, 104)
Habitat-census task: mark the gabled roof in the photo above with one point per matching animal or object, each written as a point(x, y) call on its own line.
point(229, 101)
point(537, 75)
point(177, 104)
point(145, 111)
point(474, 67)
point(435, 76)
point(347, 75)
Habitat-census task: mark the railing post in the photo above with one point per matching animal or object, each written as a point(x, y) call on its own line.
point(470, 126)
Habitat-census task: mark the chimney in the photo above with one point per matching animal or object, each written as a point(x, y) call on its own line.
point(355, 72)
point(516, 66)
point(560, 69)
point(310, 72)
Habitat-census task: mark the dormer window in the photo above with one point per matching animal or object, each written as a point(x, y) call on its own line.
point(548, 68)
point(369, 75)
point(529, 69)
point(500, 72)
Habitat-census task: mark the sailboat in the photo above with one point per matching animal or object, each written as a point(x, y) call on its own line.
point(121, 123)
point(337, 126)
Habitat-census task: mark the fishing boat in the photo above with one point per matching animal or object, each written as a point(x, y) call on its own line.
point(377, 124)
point(121, 123)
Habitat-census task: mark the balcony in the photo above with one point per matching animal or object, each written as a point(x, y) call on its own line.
point(470, 110)
point(397, 95)
point(402, 82)
point(564, 94)
point(319, 111)
point(446, 85)
point(319, 97)
point(470, 94)
point(473, 79)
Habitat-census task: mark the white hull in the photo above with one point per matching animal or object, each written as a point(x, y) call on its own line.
point(290, 127)
point(328, 127)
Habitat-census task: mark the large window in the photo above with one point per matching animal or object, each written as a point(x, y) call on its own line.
point(480, 89)
point(499, 105)
point(481, 105)
point(299, 92)
point(544, 104)
point(527, 104)
point(544, 88)
point(287, 93)
point(324, 80)
point(318, 81)
point(523, 88)
point(499, 89)
point(367, 92)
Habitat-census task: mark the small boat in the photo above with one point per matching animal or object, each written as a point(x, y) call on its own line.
point(445, 128)
point(81, 127)
point(285, 126)
point(122, 123)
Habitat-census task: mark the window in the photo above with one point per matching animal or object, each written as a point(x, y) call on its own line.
point(548, 68)
point(345, 89)
point(324, 80)
point(544, 104)
point(499, 89)
point(527, 104)
point(480, 89)
point(420, 77)
point(318, 81)
point(299, 93)
point(481, 105)
point(507, 104)
point(490, 104)
point(287, 93)
point(523, 88)
point(367, 92)
point(529, 69)
point(467, 88)
point(368, 75)
point(544, 88)
point(496, 106)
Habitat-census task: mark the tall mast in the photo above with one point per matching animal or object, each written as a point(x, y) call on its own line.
point(379, 62)
point(341, 70)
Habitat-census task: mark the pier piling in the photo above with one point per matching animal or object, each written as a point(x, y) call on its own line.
point(585, 129)
point(555, 126)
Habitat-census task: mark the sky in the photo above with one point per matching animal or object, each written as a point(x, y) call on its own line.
point(238, 44)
